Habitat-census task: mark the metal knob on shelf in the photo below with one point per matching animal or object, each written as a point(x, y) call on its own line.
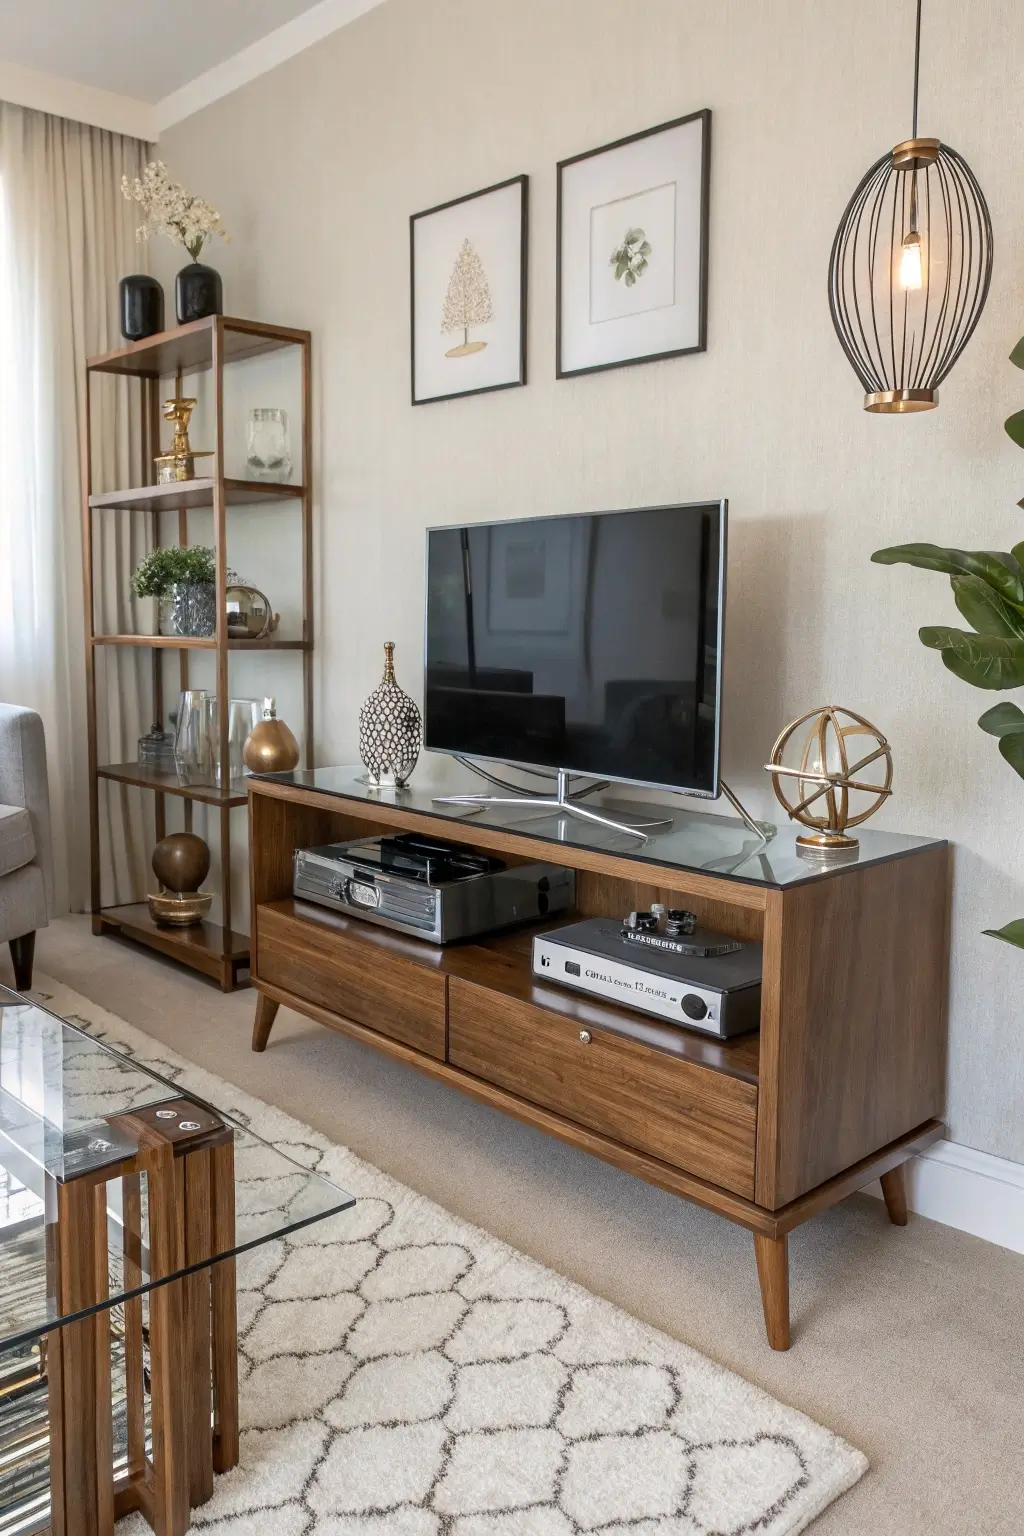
point(584, 1036)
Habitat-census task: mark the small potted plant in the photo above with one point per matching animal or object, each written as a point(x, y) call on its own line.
point(189, 221)
point(182, 579)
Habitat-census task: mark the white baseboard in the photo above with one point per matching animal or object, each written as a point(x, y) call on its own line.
point(974, 1191)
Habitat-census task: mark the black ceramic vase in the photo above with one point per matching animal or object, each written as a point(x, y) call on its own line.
point(141, 305)
point(198, 293)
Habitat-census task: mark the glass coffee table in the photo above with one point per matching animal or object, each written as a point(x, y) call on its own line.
point(123, 1203)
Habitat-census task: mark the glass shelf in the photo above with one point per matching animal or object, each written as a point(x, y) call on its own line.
point(697, 840)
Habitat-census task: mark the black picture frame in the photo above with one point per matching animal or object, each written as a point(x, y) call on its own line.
point(704, 116)
point(523, 182)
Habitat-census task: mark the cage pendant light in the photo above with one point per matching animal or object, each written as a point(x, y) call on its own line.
point(910, 269)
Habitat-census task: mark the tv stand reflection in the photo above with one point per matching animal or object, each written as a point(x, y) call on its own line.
point(566, 802)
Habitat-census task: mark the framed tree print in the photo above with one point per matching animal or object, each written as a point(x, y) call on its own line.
point(468, 293)
point(632, 276)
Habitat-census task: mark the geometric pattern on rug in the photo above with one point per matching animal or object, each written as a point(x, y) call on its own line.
point(403, 1373)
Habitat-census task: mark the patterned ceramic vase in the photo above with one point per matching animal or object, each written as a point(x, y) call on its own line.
point(390, 730)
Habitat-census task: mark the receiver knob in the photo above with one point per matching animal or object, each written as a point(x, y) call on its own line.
point(693, 1006)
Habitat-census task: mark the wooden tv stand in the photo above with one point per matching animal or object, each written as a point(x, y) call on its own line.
point(843, 1083)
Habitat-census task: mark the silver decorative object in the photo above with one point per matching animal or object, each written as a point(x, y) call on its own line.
point(390, 730)
point(189, 609)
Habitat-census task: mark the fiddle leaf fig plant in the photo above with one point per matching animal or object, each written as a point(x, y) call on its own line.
point(988, 590)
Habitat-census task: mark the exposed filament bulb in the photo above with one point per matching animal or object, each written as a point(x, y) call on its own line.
point(911, 270)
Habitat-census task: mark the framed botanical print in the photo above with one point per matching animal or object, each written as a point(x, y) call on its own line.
point(468, 293)
point(632, 275)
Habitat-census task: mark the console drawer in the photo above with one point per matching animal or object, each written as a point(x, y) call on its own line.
point(684, 1114)
point(364, 977)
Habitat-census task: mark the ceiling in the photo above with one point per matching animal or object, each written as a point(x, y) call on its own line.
point(143, 49)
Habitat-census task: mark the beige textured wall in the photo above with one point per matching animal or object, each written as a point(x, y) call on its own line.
point(317, 166)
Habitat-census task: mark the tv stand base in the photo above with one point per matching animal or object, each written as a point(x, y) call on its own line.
point(566, 802)
point(563, 803)
point(842, 1084)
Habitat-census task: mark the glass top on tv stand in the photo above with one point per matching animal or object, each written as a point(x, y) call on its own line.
point(701, 841)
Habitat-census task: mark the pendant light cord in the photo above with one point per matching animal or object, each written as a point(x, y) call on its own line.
point(917, 63)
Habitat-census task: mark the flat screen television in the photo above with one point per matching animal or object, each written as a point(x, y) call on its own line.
point(589, 643)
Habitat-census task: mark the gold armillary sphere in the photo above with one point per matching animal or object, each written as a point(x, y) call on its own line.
point(824, 777)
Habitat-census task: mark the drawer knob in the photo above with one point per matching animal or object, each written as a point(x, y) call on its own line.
point(585, 1036)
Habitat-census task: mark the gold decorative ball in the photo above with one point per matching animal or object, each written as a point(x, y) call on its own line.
point(828, 781)
point(181, 862)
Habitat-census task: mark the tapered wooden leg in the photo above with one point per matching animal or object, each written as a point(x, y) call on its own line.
point(22, 955)
point(772, 1255)
point(894, 1188)
point(266, 1013)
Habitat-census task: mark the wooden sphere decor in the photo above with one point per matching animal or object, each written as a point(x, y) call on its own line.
point(824, 778)
point(181, 862)
point(270, 747)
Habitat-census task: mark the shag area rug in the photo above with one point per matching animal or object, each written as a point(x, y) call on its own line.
point(405, 1374)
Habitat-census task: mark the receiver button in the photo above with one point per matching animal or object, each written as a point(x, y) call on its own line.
point(693, 1006)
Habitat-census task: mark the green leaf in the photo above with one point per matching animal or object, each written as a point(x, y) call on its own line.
point(1007, 558)
point(1001, 719)
point(1013, 933)
point(630, 280)
point(985, 609)
point(1015, 427)
point(958, 562)
point(1017, 355)
point(984, 661)
point(1011, 746)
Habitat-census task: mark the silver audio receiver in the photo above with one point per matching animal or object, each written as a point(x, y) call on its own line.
point(704, 981)
point(423, 886)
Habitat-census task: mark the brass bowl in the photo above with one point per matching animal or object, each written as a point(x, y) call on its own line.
point(179, 909)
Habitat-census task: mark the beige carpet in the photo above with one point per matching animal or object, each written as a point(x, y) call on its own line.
point(907, 1343)
point(403, 1373)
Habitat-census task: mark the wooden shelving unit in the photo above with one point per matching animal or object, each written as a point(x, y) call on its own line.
point(208, 345)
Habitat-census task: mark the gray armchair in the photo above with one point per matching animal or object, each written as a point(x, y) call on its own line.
point(26, 857)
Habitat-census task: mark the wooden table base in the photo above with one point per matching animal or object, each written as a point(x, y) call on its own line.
point(193, 1361)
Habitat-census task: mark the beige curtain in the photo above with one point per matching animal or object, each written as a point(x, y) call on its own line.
point(66, 237)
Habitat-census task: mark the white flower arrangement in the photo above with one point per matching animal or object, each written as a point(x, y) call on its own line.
point(170, 210)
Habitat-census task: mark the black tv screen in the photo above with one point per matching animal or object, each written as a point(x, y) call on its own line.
point(590, 643)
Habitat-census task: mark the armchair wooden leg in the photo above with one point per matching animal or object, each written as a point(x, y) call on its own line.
point(772, 1254)
point(22, 955)
point(894, 1188)
point(266, 1013)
